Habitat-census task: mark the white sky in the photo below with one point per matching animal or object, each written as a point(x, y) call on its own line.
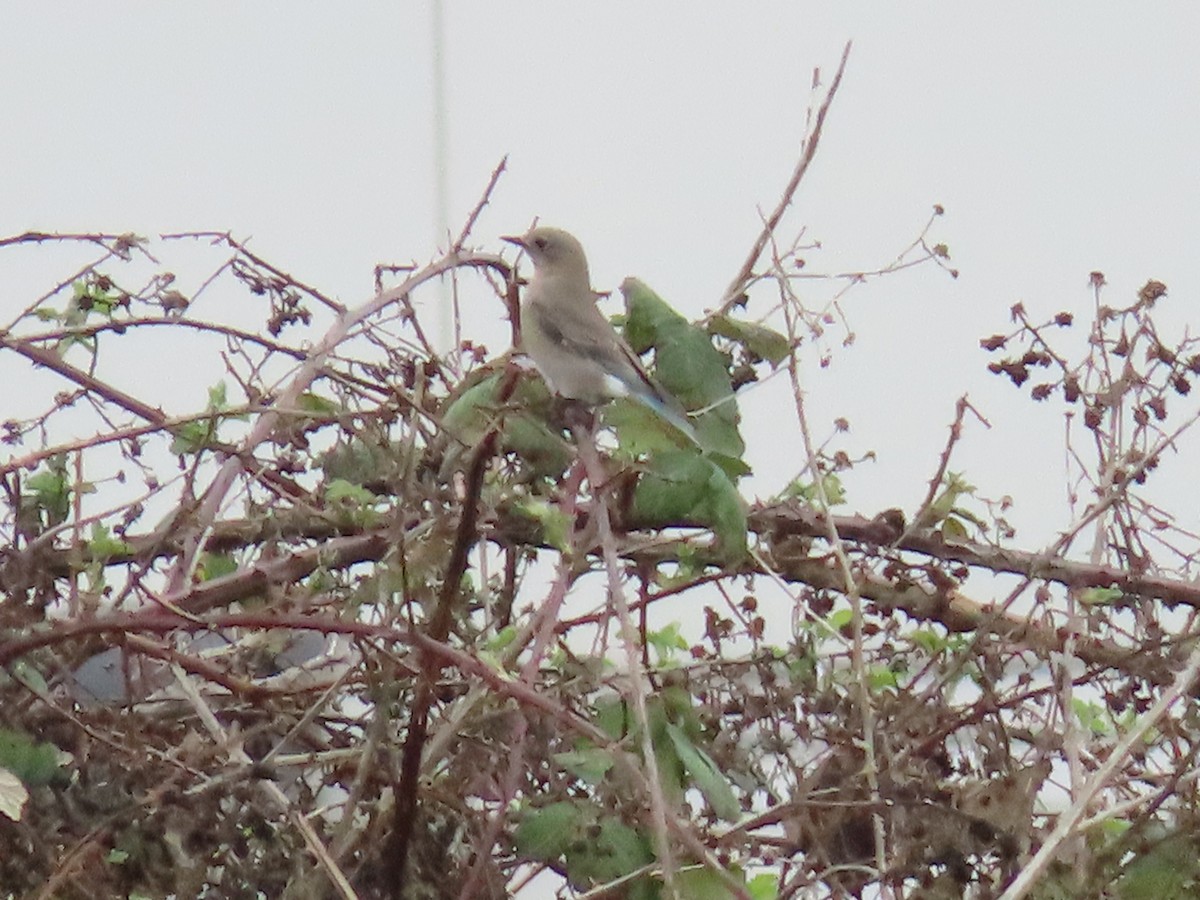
point(1061, 138)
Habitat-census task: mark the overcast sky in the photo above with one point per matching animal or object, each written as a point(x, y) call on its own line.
point(1060, 138)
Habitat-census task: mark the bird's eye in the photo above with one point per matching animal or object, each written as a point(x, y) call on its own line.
point(540, 243)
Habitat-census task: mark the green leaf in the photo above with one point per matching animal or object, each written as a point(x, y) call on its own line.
point(759, 341)
point(103, 546)
point(706, 776)
point(192, 437)
point(546, 832)
point(590, 764)
point(930, 640)
point(523, 428)
point(840, 619)
point(954, 486)
point(353, 503)
point(1101, 596)
point(556, 526)
point(881, 676)
point(532, 441)
point(640, 431)
point(667, 641)
point(218, 397)
point(613, 717)
point(96, 294)
point(681, 488)
point(1092, 716)
point(953, 529)
point(339, 491)
point(216, 565)
point(679, 706)
point(49, 491)
point(358, 461)
point(764, 886)
point(502, 639)
point(468, 416)
point(687, 364)
point(702, 883)
point(616, 851)
point(30, 676)
point(315, 403)
point(35, 764)
point(811, 491)
point(1169, 869)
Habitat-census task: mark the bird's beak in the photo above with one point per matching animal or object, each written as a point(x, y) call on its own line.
point(518, 241)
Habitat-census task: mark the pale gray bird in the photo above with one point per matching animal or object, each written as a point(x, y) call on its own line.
point(571, 342)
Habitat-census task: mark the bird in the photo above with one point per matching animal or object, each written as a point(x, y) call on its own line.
point(576, 349)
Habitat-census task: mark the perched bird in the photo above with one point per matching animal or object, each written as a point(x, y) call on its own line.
point(571, 342)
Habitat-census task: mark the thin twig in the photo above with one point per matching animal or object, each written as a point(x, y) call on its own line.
point(807, 154)
point(1065, 826)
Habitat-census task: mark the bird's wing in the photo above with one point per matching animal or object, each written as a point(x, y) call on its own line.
point(584, 332)
point(587, 333)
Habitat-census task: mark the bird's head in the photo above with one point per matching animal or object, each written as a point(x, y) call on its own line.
point(555, 253)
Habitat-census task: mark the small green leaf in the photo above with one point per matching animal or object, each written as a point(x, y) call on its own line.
point(36, 764)
point(954, 486)
point(1092, 716)
point(764, 886)
point(811, 492)
point(339, 491)
point(353, 502)
point(30, 676)
point(616, 851)
point(707, 777)
point(217, 397)
point(556, 526)
point(929, 640)
point(1101, 596)
point(953, 529)
point(590, 764)
point(546, 832)
point(201, 434)
point(216, 565)
point(840, 619)
point(702, 883)
point(881, 677)
point(50, 491)
point(103, 546)
point(502, 639)
point(613, 717)
point(758, 340)
point(315, 403)
point(667, 641)
point(192, 437)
